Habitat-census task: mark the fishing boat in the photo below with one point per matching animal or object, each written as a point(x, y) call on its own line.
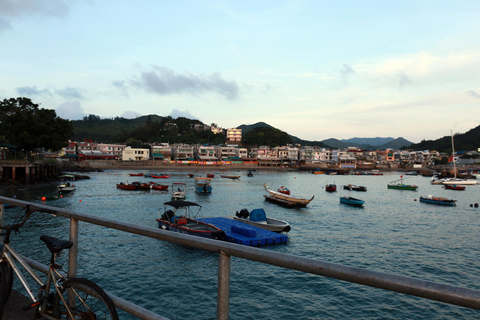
point(438, 201)
point(288, 199)
point(332, 187)
point(352, 201)
point(353, 187)
point(258, 218)
point(159, 187)
point(455, 180)
point(283, 190)
point(159, 176)
point(179, 216)
point(454, 187)
point(179, 190)
point(126, 186)
point(230, 177)
point(399, 185)
point(136, 174)
point(203, 185)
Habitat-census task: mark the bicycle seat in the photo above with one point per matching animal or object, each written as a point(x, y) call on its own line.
point(56, 245)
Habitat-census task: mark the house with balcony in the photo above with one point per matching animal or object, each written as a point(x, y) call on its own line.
point(162, 151)
point(226, 152)
point(135, 154)
point(183, 152)
point(234, 135)
point(205, 153)
point(112, 149)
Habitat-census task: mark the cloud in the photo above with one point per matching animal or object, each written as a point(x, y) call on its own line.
point(185, 114)
point(474, 94)
point(404, 80)
point(346, 72)
point(32, 91)
point(70, 93)
point(122, 87)
point(165, 81)
point(130, 115)
point(70, 110)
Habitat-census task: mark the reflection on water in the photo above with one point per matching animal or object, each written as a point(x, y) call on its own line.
point(392, 233)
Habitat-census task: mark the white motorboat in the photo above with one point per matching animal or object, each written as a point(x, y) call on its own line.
point(258, 218)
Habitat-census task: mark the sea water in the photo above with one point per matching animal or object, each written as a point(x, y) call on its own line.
point(392, 233)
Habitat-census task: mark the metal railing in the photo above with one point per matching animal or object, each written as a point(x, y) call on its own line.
point(425, 289)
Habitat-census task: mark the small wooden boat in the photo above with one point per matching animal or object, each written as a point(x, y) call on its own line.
point(160, 176)
point(159, 187)
point(353, 187)
point(230, 177)
point(283, 190)
point(209, 175)
point(191, 175)
point(258, 218)
point(331, 187)
point(352, 201)
point(399, 185)
point(203, 185)
point(136, 174)
point(179, 190)
point(438, 201)
point(454, 187)
point(299, 201)
point(126, 186)
point(178, 217)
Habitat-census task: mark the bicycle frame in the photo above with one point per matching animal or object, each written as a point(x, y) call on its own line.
point(11, 255)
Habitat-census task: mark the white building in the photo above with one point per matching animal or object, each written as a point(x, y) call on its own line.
point(234, 135)
point(135, 154)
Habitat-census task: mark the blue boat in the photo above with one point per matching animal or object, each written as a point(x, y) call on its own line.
point(441, 201)
point(352, 201)
point(203, 185)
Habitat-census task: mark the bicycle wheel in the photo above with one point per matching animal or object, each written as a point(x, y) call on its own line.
point(90, 301)
point(6, 273)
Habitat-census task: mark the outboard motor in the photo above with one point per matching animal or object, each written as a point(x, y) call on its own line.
point(244, 213)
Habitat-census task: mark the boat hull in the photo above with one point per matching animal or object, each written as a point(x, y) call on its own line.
point(352, 201)
point(288, 198)
point(271, 224)
point(402, 187)
point(194, 228)
point(438, 201)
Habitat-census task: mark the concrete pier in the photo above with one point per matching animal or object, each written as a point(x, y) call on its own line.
point(14, 308)
point(24, 171)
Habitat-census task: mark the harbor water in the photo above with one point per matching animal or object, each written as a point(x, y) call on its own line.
point(394, 233)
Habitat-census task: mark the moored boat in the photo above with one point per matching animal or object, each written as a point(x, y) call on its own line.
point(126, 186)
point(438, 201)
point(230, 177)
point(159, 176)
point(288, 198)
point(178, 217)
point(352, 201)
point(203, 185)
point(454, 187)
point(353, 187)
point(136, 174)
point(259, 219)
point(332, 187)
point(179, 190)
point(159, 187)
point(209, 175)
point(66, 187)
point(399, 185)
point(283, 190)
point(191, 175)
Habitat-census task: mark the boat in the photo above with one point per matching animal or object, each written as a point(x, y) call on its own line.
point(318, 172)
point(203, 185)
point(332, 187)
point(191, 175)
point(136, 174)
point(399, 185)
point(126, 186)
point(159, 187)
point(352, 201)
point(159, 176)
point(436, 180)
point(179, 190)
point(299, 201)
point(455, 180)
point(411, 173)
point(178, 216)
point(65, 186)
point(283, 190)
point(438, 200)
point(454, 187)
point(249, 174)
point(230, 177)
point(353, 187)
point(258, 218)
point(209, 175)
point(376, 173)
point(142, 185)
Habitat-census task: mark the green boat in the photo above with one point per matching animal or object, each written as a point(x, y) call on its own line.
point(399, 185)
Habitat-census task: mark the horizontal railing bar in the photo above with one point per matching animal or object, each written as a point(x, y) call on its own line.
point(430, 290)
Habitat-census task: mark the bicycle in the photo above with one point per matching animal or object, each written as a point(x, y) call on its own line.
point(59, 297)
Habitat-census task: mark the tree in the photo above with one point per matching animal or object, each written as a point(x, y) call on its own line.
point(24, 124)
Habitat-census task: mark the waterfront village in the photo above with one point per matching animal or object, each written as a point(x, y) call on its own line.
point(263, 156)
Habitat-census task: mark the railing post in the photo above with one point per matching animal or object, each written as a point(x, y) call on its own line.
point(223, 290)
point(72, 254)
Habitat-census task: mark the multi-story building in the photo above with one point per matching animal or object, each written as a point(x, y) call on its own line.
point(225, 152)
point(182, 152)
point(162, 151)
point(86, 146)
point(135, 154)
point(112, 149)
point(234, 135)
point(205, 153)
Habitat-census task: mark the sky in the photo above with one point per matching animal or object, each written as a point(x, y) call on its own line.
point(315, 69)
